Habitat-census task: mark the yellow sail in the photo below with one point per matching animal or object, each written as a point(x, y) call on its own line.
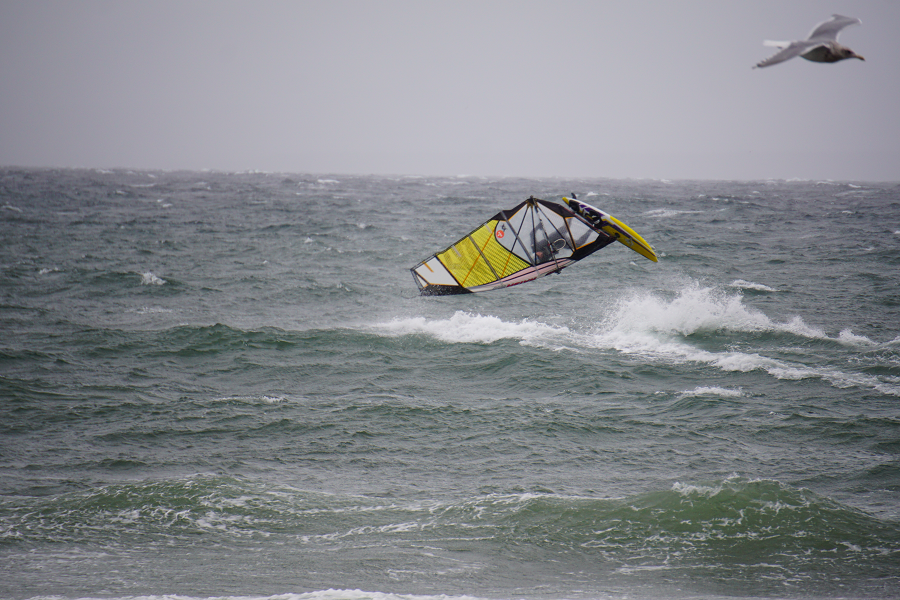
point(531, 240)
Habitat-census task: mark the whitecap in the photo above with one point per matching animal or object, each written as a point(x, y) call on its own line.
point(333, 594)
point(712, 391)
point(798, 326)
point(652, 327)
point(149, 278)
point(665, 213)
point(151, 310)
point(848, 337)
point(695, 309)
point(744, 363)
point(749, 285)
point(263, 399)
point(468, 328)
point(687, 489)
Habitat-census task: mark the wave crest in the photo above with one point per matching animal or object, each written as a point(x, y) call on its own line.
point(464, 327)
point(697, 309)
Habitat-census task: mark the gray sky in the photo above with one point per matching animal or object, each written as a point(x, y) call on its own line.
point(520, 88)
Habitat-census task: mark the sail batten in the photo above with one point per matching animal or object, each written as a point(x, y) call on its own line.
point(531, 240)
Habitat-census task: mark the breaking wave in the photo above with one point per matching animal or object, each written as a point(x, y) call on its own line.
point(468, 328)
point(699, 324)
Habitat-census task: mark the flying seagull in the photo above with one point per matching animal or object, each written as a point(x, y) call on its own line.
point(820, 46)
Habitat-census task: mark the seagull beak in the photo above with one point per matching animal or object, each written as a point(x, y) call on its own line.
point(859, 57)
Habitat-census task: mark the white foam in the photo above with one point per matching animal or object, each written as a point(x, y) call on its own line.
point(749, 285)
point(695, 309)
point(712, 391)
point(741, 362)
point(665, 213)
point(470, 328)
point(658, 329)
point(263, 399)
point(650, 326)
point(149, 278)
point(798, 327)
point(150, 310)
point(686, 489)
point(272, 399)
point(851, 339)
point(333, 594)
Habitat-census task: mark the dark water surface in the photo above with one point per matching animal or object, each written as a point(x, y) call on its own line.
point(220, 384)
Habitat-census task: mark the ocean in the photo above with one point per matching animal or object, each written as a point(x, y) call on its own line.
point(225, 385)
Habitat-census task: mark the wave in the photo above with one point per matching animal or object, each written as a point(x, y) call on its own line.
point(469, 328)
point(729, 529)
point(695, 310)
point(714, 391)
point(748, 285)
point(361, 595)
point(109, 282)
point(668, 213)
point(706, 326)
point(329, 594)
point(235, 507)
point(699, 324)
point(664, 329)
point(149, 278)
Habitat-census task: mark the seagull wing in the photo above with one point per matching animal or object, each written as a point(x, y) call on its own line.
point(830, 29)
point(793, 49)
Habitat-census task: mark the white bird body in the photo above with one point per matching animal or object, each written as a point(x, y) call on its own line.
point(820, 46)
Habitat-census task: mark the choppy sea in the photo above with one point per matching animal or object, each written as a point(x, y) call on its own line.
point(225, 385)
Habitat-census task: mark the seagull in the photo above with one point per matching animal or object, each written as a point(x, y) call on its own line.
point(820, 46)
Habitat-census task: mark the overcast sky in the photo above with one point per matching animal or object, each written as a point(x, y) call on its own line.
point(498, 88)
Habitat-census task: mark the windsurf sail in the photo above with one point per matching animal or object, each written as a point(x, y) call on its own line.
point(528, 241)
